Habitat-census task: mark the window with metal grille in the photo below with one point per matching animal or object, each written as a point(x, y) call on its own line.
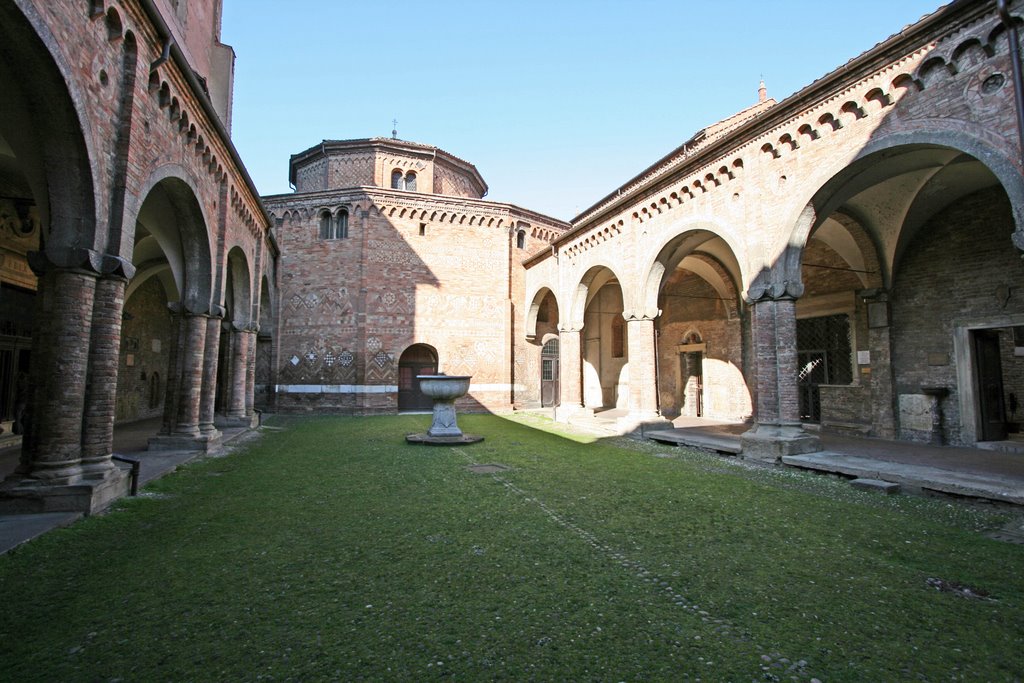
point(824, 356)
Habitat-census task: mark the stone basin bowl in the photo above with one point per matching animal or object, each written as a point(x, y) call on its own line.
point(444, 387)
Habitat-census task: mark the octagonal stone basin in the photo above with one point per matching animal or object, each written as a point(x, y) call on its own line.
point(444, 389)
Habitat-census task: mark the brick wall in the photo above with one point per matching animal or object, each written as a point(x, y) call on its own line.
point(690, 304)
point(967, 249)
point(145, 342)
point(350, 307)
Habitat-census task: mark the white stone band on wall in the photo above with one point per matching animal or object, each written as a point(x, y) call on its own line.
point(376, 388)
point(336, 388)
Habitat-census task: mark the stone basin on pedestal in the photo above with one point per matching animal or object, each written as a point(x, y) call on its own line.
point(444, 429)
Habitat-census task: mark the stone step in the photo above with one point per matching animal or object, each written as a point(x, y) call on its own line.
point(711, 442)
point(886, 487)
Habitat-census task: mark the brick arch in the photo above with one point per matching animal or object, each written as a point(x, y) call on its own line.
point(877, 274)
point(533, 309)
point(239, 294)
point(822, 187)
point(183, 234)
point(584, 290)
point(49, 134)
point(668, 255)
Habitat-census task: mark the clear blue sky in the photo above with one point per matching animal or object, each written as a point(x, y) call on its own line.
point(556, 102)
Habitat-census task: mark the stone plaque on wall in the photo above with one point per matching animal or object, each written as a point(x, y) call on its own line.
point(878, 314)
point(916, 412)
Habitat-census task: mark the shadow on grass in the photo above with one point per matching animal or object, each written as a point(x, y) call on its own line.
point(331, 549)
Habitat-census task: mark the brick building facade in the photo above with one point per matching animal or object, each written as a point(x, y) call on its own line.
point(846, 259)
point(133, 245)
point(392, 264)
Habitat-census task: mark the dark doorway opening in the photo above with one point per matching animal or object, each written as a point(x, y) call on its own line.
point(989, 368)
point(549, 392)
point(418, 359)
point(692, 364)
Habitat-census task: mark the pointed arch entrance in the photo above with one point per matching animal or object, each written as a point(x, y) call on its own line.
point(418, 359)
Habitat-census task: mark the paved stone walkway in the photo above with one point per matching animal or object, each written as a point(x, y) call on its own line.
point(130, 440)
point(994, 473)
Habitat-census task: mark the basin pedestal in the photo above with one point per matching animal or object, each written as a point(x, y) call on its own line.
point(444, 428)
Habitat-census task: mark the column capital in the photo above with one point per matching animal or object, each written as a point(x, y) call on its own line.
point(80, 259)
point(566, 329)
point(243, 327)
point(638, 316)
point(786, 290)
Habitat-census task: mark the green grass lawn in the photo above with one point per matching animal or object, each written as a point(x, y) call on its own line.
point(332, 550)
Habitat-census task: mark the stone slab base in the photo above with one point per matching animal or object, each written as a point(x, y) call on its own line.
point(174, 442)
point(887, 487)
point(250, 422)
point(721, 443)
point(640, 424)
point(424, 438)
point(87, 497)
point(564, 413)
point(770, 443)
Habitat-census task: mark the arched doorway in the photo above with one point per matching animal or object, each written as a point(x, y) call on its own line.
point(702, 331)
point(418, 359)
point(691, 367)
point(549, 373)
point(604, 345)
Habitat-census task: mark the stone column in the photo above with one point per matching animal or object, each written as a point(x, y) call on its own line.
point(643, 383)
point(101, 392)
point(75, 348)
point(190, 360)
point(52, 448)
point(250, 374)
point(239, 362)
point(207, 402)
point(570, 373)
point(777, 430)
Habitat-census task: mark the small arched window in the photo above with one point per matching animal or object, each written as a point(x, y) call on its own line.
point(521, 239)
point(410, 181)
point(341, 224)
point(326, 231)
point(396, 180)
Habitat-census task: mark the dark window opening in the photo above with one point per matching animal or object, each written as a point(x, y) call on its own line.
point(341, 225)
point(618, 337)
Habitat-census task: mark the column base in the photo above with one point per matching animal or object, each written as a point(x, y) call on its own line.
point(769, 442)
point(23, 495)
point(184, 442)
point(235, 421)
